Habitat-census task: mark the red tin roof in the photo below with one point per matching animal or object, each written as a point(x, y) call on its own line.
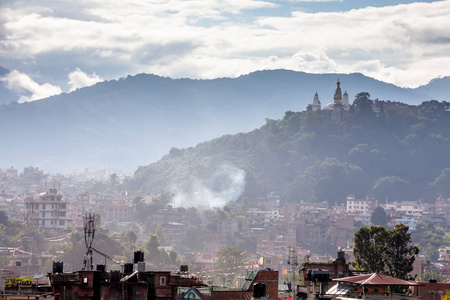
point(376, 279)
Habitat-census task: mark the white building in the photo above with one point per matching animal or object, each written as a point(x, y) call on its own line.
point(361, 206)
point(316, 105)
point(48, 210)
point(410, 222)
point(406, 208)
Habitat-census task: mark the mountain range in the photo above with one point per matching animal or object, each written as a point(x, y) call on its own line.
point(135, 120)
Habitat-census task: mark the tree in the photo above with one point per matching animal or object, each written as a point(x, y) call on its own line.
point(4, 218)
point(159, 231)
point(442, 183)
point(400, 256)
point(432, 109)
point(32, 175)
point(379, 217)
point(328, 180)
point(362, 104)
point(229, 257)
point(431, 274)
point(113, 180)
point(173, 257)
point(385, 251)
point(152, 244)
point(370, 246)
point(393, 187)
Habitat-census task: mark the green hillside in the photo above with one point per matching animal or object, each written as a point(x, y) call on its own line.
point(401, 153)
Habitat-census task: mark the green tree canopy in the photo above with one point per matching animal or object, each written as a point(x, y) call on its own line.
point(229, 257)
point(4, 220)
point(400, 255)
point(370, 247)
point(442, 183)
point(392, 187)
point(385, 251)
point(362, 104)
point(379, 217)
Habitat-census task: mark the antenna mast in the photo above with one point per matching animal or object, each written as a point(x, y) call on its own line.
point(89, 231)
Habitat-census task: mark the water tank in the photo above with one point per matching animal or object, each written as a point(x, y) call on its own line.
point(58, 267)
point(128, 268)
point(138, 256)
point(320, 275)
point(101, 268)
point(141, 266)
point(184, 268)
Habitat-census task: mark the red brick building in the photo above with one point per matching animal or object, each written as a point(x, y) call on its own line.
point(157, 285)
point(432, 290)
point(338, 268)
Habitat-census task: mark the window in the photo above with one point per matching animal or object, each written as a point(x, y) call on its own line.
point(162, 281)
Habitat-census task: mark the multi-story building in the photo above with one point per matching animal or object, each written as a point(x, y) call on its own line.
point(410, 222)
point(48, 210)
point(442, 205)
point(119, 210)
point(361, 206)
point(405, 208)
point(444, 254)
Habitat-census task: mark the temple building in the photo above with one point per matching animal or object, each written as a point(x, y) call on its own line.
point(338, 107)
point(316, 105)
point(340, 103)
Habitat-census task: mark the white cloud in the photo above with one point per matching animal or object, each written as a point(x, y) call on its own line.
point(27, 88)
point(79, 79)
point(315, 0)
point(209, 39)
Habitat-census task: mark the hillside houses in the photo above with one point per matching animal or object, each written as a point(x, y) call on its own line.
point(265, 228)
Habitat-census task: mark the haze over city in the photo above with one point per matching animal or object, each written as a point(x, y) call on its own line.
point(285, 149)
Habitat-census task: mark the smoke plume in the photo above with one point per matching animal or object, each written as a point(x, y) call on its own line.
point(225, 184)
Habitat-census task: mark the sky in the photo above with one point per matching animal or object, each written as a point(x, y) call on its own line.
point(55, 46)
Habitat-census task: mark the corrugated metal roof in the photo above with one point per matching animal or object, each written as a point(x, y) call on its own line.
point(339, 289)
point(376, 279)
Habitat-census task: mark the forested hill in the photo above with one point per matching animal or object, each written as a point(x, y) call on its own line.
point(136, 120)
point(401, 154)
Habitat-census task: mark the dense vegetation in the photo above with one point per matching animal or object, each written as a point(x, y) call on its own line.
point(399, 154)
point(385, 251)
point(135, 120)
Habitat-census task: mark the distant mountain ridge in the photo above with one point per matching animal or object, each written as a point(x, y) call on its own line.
point(6, 95)
point(135, 120)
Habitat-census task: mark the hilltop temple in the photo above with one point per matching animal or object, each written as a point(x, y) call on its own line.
point(339, 104)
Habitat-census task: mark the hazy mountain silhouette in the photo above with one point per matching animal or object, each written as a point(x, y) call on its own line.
point(135, 120)
point(6, 95)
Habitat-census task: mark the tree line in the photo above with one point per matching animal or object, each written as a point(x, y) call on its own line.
point(400, 153)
